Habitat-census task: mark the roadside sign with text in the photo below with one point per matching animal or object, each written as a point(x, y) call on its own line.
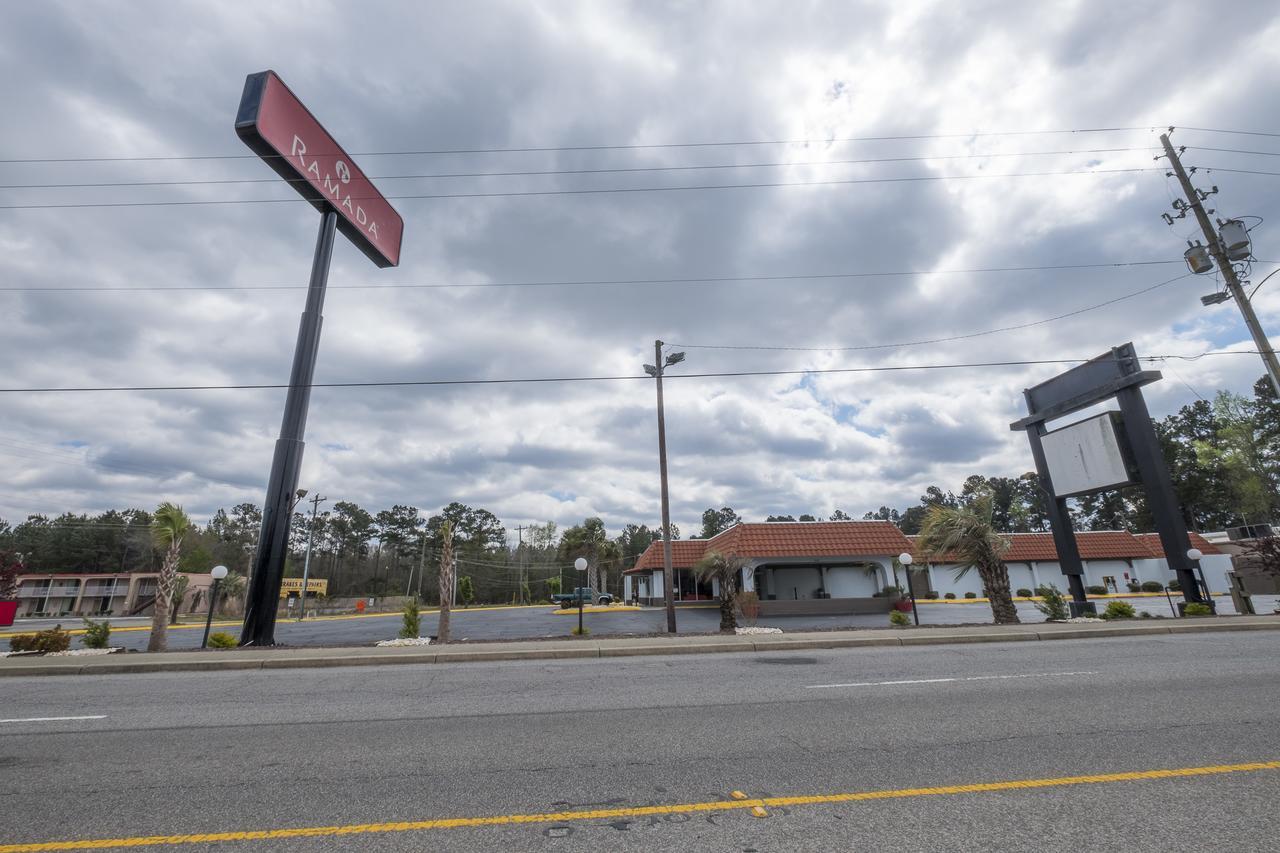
point(283, 132)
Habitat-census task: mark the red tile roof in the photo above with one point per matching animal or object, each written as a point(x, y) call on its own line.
point(786, 539)
point(1152, 541)
point(1092, 544)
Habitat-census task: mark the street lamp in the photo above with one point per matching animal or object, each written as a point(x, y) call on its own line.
point(1194, 555)
point(668, 573)
point(906, 560)
point(581, 565)
point(217, 573)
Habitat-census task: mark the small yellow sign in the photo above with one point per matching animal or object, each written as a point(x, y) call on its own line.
point(293, 586)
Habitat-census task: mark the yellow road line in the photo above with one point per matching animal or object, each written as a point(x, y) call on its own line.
point(637, 811)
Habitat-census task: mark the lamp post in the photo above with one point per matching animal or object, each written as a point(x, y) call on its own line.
point(217, 573)
point(1194, 555)
point(906, 560)
point(668, 574)
point(581, 565)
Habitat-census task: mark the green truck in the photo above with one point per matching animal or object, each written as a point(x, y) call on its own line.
point(584, 595)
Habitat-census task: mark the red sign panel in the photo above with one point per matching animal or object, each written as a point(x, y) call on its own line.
point(284, 133)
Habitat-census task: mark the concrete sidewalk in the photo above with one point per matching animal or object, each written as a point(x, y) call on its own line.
point(289, 658)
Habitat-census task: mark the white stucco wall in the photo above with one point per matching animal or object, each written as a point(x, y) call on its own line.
point(1096, 570)
point(626, 587)
point(1021, 577)
point(851, 582)
point(944, 580)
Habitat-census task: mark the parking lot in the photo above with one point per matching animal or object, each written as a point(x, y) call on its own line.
point(541, 621)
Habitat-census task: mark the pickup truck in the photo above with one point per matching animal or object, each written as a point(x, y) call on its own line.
point(585, 594)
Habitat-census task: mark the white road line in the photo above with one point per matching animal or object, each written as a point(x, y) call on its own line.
point(946, 680)
point(54, 719)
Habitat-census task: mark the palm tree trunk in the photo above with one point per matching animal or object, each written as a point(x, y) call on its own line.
point(164, 595)
point(996, 580)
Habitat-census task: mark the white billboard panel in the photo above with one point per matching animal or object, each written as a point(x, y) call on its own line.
point(1086, 456)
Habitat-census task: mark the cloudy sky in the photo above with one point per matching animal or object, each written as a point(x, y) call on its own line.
point(971, 91)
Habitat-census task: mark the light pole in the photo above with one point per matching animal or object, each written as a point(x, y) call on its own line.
point(217, 573)
point(668, 574)
point(906, 560)
point(306, 563)
point(1194, 555)
point(581, 565)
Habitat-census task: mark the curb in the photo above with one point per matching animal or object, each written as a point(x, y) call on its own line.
point(564, 650)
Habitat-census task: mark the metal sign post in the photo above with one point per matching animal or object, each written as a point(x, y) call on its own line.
point(280, 129)
point(1116, 374)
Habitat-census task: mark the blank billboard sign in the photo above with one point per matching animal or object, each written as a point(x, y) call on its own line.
point(1087, 456)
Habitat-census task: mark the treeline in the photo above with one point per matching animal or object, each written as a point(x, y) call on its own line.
point(390, 552)
point(1224, 457)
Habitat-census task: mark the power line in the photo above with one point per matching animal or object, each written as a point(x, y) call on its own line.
point(625, 147)
point(602, 191)
point(596, 282)
point(550, 172)
point(950, 338)
point(1234, 132)
point(616, 378)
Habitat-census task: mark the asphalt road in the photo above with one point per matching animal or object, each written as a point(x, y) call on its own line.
point(542, 622)
point(640, 744)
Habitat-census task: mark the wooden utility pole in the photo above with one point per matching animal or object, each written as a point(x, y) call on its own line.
point(668, 574)
point(520, 562)
point(1219, 253)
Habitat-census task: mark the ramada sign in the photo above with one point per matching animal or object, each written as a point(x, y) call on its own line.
point(274, 123)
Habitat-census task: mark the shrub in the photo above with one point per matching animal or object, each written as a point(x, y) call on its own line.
point(1144, 615)
point(467, 591)
point(96, 634)
point(970, 595)
point(1052, 604)
point(1023, 592)
point(1119, 610)
point(1195, 608)
point(1134, 586)
point(412, 620)
point(53, 640)
point(1175, 586)
point(221, 640)
point(1096, 590)
point(933, 593)
point(949, 595)
point(749, 603)
point(1152, 586)
point(891, 592)
point(898, 619)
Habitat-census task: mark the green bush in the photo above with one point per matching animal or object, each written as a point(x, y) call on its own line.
point(1152, 586)
point(949, 595)
point(1052, 604)
point(53, 640)
point(898, 619)
point(96, 634)
point(1144, 615)
point(970, 595)
point(1119, 610)
point(221, 640)
point(1023, 592)
point(1096, 590)
point(1175, 586)
point(412, 621)
point(933, 593)
point(1134, 586)
point(1195, 608)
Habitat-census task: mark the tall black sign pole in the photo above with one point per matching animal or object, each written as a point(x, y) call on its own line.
point(273, 543)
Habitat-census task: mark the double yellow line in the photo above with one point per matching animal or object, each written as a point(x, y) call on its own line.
point(751, 805)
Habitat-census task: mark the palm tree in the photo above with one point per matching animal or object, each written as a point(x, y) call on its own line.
point(446, 581)
point(168, 527)
point(725, 569)
point(964, 536)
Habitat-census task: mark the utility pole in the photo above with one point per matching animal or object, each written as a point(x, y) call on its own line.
point(306, 563)
point(520, 562)
point(422, 560)
point(668, 574)
point(1195, 201)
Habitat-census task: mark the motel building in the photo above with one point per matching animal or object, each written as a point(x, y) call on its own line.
point(842, 567)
